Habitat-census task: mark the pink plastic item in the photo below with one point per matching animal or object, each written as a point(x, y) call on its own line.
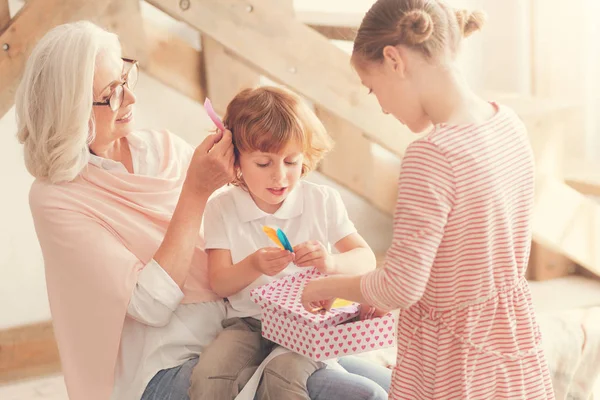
point(213, 115)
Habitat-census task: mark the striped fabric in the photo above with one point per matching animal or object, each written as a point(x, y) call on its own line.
point(461, 242)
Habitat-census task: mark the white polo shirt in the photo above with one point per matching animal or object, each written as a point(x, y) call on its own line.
point(232, 221)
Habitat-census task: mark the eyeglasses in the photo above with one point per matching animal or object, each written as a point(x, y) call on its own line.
point(129, 78)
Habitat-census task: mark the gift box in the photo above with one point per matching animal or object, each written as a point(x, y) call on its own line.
point(320, 336)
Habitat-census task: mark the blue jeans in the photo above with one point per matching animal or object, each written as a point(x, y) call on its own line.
point(364, 381)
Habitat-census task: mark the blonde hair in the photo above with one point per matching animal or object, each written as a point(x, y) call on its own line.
point(431, 27)
point(54, 100)
point(268, 118)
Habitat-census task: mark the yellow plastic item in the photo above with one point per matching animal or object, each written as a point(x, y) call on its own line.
point(272, 234)
point(339, 303)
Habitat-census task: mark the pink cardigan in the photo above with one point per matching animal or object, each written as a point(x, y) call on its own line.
point(96, 234)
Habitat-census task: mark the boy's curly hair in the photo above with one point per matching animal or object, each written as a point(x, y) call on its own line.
point(267, 119)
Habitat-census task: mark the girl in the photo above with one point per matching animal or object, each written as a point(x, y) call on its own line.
point(462, 225)
point(277, 141)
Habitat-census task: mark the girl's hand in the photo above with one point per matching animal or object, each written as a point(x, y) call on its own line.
point(315, 297)
point(314, 254)
point(369, 312)
point(271, 260)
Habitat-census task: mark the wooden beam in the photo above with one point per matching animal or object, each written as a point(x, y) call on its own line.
point(583, 176)
point(124, 18)
point(584, 186)
point(334, 17)
point(334, 21)
point(291, 53)
point(350, 145)
point(28, 351)
point(548, 123)
point(357, 164)
point(225, 74)
point(35, 19)
point(566, 223)
point(336, 32)
point(341, 164)
point(384, 182)
point(174, 62)
point(4, 15)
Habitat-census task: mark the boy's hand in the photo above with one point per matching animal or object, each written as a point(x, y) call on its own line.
point(314, 254)
point(272, 260)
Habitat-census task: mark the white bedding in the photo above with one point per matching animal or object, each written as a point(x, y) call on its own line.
point(571, 341)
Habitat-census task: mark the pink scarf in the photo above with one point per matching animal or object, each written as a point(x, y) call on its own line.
point(96, 234)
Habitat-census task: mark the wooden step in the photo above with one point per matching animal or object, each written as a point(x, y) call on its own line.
point(28, 351)
point(568, 223)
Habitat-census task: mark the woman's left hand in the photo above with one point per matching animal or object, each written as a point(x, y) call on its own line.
point(315, 297)
point(314, 254)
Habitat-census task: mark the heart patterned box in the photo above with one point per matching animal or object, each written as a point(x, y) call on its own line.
point(318, 336)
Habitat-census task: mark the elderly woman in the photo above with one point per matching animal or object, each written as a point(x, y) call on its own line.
point(118, 214)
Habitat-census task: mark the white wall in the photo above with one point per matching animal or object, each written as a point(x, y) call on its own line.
point(505, 47)
point(592, 72)
point(22, 284)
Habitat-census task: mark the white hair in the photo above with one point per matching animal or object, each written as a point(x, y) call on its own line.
point(54, 100)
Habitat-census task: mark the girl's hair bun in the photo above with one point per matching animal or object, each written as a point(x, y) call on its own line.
point(415, 27)
point(470, 21)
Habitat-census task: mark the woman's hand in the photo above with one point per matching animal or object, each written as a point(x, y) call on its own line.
point(314, 254)
point(271, 260)
point(211, 166)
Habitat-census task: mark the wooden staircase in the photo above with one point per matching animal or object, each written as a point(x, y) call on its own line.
point(244, 42)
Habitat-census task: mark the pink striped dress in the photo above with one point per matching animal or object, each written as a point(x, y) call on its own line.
point(462, 234)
